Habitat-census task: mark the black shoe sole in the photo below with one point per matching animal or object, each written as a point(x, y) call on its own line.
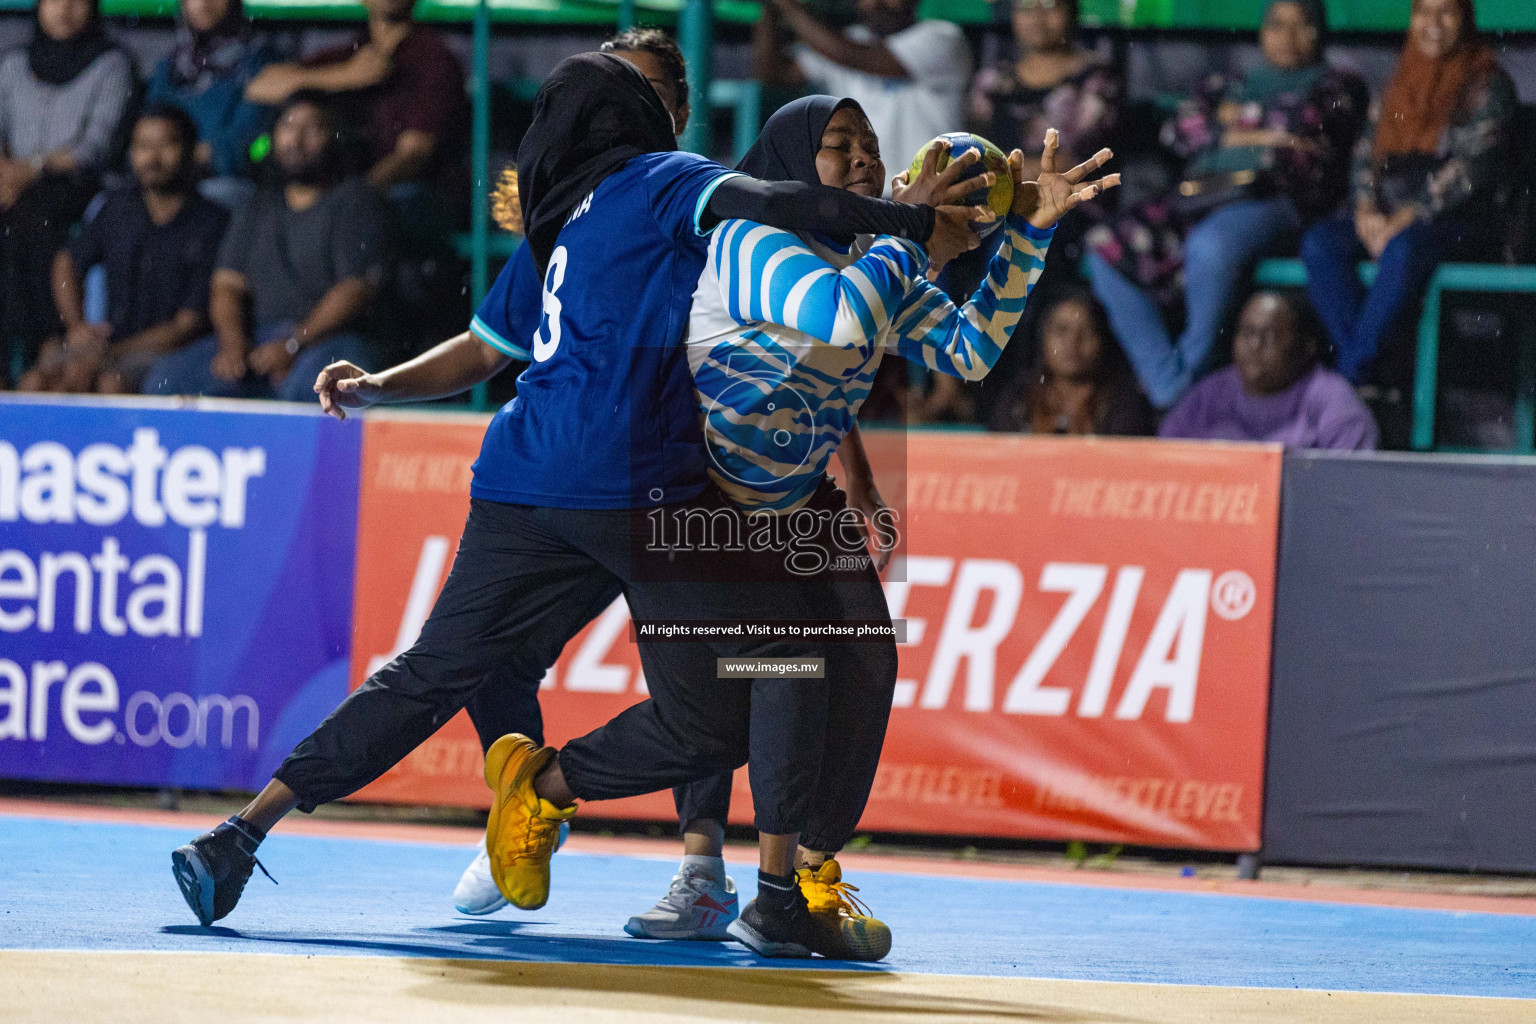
point(760, 944)
point(196, 882)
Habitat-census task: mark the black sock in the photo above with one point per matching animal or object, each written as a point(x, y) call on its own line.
point(776, 892)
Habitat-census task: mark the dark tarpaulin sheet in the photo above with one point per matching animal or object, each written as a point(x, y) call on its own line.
point(1403, 702)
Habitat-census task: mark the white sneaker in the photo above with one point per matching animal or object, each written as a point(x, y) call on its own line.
point(697, 906)
point(476, 894)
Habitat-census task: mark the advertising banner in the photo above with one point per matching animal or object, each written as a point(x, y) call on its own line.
point(175, 588)
point(1088, 633)
point(1405, 665)
point(1088, 641)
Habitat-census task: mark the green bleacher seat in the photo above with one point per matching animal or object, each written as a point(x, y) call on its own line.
point(1453, 277)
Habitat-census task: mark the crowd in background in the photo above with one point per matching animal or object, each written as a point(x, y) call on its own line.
point(259, 222)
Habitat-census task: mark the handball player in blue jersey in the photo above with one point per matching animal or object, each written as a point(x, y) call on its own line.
point(701, 902)
point(786, 334)
point(603, 429)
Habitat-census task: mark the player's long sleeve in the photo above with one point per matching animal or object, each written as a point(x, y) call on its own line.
point(771, 276)
point(967, 341)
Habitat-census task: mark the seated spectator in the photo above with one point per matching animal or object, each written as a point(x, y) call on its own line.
point(217, 54)
point(1266, 153)
point(908, 75)
point(63, 99)
point(1052, 82)
point(1427, 184)
point(1275, 390)
point(1080, 384)
point(307, 258)
point(399, 81)
point(156, 238)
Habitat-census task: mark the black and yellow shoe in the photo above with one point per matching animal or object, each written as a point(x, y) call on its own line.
point(523, 830)
point(845, 929)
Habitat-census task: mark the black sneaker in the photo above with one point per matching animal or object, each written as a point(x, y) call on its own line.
point(212, 871)
point(776, 933)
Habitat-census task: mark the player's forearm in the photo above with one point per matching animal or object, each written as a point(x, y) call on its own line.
point(966, 342)
point(854, 460)
point(818, 209)
point(448, 369)
point(841, 308)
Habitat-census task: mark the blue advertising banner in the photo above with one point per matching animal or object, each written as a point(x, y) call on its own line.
point(175, 588)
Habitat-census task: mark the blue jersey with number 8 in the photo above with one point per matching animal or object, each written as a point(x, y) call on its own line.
point(605, 415)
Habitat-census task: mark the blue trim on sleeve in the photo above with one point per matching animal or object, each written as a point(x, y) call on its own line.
point(1035, 234)
point(709, 190)
point(480, 330)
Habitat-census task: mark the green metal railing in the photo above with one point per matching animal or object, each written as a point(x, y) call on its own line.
point(1450, 277)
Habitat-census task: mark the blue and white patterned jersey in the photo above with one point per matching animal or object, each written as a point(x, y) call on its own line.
point(786, 335)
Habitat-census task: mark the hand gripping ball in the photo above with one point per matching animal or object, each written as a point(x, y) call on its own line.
point(999, 197)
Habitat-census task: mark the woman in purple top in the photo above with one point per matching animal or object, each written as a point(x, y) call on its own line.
point(1275, 389)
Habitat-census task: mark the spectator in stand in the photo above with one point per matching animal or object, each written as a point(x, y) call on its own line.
point(1429, 182)
point(1267, 153)
point(307, 258)
point(156, 238)
point(400, 82)
point(1275, 390)
point(217, 54)
point(1080, 384)
point(908, 75)
point(63, 98)
point(1052, 82)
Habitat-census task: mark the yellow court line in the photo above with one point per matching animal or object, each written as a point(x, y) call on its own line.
point(235, 988)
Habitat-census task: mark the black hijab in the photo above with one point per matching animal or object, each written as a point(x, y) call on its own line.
point(59, 61)
point(592, 114)
point(786, 149)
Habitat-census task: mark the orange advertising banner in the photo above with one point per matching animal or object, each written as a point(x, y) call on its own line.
point(1088, 633)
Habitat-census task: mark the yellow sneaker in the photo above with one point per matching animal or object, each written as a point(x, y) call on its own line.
point(523, 830)
point(845, 929)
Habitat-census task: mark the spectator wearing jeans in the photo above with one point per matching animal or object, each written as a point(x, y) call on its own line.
point(156, 239)
point(1275, 390)
point(1427, 182)
point(307, 258)
point(399, 81)
point(908, 75)
point(1266, 153)
point(63, 100)
point(217, 54)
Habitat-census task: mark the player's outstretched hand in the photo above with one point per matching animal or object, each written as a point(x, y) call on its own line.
point(1046, 200)
point(342, 386)
point(933, 187)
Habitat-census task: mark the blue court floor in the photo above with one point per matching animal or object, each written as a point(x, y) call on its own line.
point(92, 886)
